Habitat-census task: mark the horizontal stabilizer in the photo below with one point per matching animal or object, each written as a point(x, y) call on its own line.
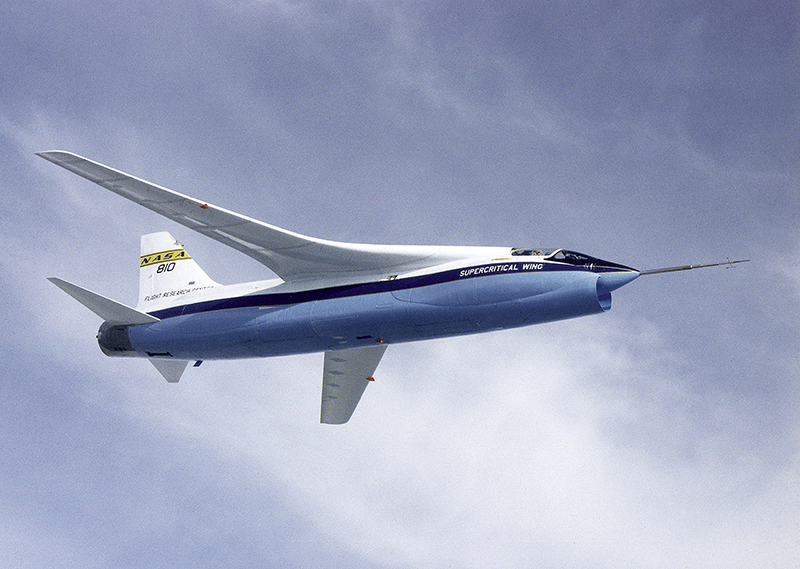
point(345, 376)
point(109, 310)
point(171, 370)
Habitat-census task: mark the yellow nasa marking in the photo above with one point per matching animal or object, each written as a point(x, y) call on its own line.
point(163, 257)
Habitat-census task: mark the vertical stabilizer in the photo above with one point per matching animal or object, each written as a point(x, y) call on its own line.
point(167, 272)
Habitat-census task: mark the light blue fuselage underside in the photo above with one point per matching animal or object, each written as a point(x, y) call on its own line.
point(452, 308)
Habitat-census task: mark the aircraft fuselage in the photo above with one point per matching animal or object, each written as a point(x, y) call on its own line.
point(456, 300)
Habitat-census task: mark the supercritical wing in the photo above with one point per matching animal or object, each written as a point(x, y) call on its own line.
point(289, 255)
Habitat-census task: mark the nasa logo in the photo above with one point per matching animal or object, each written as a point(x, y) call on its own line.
point(163, 257)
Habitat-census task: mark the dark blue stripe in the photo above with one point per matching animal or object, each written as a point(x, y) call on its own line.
point(344, 291)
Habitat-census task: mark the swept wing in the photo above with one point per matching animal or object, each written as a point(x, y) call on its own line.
point(288, 254)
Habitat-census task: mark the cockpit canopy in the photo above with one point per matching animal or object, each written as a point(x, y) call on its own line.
point(523, 252)
point(573, 257)
point(568, 257)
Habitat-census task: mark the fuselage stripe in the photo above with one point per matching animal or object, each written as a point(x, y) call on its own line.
point(376, 287)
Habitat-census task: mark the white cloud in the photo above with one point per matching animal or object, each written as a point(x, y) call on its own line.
point(662, 434)
point(480, 456)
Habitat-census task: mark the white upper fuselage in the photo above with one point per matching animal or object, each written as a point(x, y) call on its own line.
point(459, 263)
point(450, 258)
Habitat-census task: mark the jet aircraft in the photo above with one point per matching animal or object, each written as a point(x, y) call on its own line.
point(347, 300)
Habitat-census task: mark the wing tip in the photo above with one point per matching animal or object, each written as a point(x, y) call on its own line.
point(47, 154)
point(330, 421)
point(59, 157)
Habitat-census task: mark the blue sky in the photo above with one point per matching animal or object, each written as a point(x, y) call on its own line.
point(662, 434)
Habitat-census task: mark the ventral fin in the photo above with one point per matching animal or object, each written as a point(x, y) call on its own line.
point(171, 370)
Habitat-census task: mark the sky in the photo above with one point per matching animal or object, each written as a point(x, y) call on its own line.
point(665, 433)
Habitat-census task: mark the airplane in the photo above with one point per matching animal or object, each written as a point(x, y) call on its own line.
point(347, 300)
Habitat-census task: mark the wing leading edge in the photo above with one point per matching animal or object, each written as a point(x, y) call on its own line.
point(290, 255)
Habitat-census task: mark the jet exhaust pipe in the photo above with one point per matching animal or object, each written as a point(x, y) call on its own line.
point(114, 341)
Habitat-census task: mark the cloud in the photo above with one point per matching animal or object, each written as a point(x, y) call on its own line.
point(660, 434)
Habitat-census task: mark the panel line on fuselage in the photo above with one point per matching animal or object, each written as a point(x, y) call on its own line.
point(374, 287)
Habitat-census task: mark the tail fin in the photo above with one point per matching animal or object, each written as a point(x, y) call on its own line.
point(166, 272)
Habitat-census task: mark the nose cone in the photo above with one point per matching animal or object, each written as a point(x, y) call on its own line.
point(612, 280)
